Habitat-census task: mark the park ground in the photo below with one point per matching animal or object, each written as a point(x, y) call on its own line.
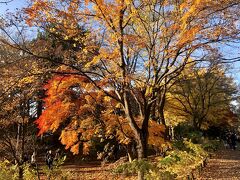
point(225, 164)
point(222, 165)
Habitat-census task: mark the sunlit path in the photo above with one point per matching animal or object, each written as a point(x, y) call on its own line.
point(225, 165)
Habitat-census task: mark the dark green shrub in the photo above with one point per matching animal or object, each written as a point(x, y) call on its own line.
point(133, 167)
point(211, 145)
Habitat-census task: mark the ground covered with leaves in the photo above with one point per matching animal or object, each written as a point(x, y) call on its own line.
point(224, 165)
point(177, 164)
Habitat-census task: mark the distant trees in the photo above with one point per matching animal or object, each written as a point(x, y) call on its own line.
point(201, 96)
point(19, 87)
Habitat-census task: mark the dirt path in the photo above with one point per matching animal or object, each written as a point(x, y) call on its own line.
point(92, 170)
point(224, 165)
point(96, 171)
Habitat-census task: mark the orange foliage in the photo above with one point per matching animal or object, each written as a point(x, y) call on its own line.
point(90, 112)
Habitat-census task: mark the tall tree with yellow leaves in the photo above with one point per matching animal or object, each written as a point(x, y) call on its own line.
point(201, 96)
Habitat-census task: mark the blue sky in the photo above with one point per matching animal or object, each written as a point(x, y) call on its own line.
point(230, 52)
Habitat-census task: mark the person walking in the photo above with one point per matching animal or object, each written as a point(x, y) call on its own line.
point(57, 155)
point(49, 159)
point(33, 159)
point(233, 139)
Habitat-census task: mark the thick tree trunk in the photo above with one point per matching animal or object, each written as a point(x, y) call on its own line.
point(141, 134)
point(142, 146)
point(161, 119)
point(142, 150)
point(140, 175)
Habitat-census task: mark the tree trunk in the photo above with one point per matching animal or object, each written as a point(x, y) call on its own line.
point(20, 172)
point(18, 138)
point(142, 145)
point(172, 133)
point(161, 104)
point(140, 175)
point(142, 150)
point(22, 159)
point(39, 108)
point(195, 123)
point(130, 152)
point(40, 103)
point(23, 141)
point(140, 134)
point(161, 119)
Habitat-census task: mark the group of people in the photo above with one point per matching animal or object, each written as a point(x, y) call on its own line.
point(32, 158)
point(49, 158)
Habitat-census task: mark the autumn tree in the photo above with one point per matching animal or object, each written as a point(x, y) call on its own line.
point(201, 96)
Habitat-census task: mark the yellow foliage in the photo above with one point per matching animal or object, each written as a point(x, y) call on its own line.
point(27, 80)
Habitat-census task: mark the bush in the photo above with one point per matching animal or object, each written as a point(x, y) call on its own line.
point(185, 130)
point(133, 167)
point(196, 149)
point(177, 164)
point(56, 173)
point(7, 170)
point(211, 145)
point(10, 171)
